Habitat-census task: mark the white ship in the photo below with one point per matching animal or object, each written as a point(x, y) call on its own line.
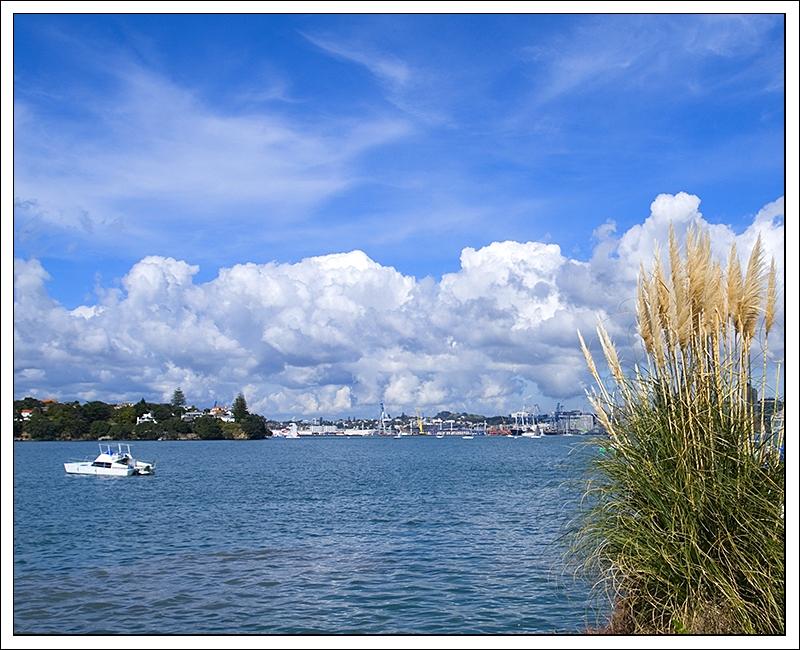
point(111, 462)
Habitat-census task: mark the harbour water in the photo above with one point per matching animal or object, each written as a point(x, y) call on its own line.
point(364, 536)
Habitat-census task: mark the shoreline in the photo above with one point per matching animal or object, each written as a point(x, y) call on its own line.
point(304, 437)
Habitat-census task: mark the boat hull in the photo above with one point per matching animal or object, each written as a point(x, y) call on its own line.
point(88, 468)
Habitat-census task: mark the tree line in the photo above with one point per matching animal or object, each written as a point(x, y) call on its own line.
point(47, 420)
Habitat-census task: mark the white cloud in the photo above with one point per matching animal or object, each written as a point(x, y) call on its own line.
point(339, 333)
point(156, 151)
point(388, 68)
point(414, 90)
point(636, 51)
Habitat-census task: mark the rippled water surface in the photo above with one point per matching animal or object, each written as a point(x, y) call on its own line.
point(416, 535)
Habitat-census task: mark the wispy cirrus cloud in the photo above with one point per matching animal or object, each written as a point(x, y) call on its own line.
point(152, 152)
point(413, 90)
point(387, 68)
point(637, 52)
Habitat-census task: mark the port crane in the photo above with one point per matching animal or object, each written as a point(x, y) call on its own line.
point(384, 417)
point(561, 413)
point(537, 412)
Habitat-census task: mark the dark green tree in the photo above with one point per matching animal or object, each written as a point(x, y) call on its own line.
point(147, 431)
point(161, 412)
point(39, 427)
point(124, 415)
point(68, 420)
point(240, 411)
point(175, 428)
point(94, 411)
point(208, 428)
point(141, 407)
point(254, 427)
point(178, 399)
point(100, 428)
point(27, 403)
point(122, 430)
point(231, 431)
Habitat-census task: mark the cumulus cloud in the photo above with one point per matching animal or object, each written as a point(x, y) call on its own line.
point(336, 334)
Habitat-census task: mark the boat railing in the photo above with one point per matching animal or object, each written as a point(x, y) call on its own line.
point(121, 449)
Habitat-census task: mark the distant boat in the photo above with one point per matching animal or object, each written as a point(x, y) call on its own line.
point(532, 433)
point(290, 433)
point(358, 433)
point(467, 437)
point(111, 463)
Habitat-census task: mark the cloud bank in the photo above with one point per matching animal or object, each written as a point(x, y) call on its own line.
point(337, 334)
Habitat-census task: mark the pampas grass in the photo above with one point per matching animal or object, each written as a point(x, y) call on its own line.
point(684, 520)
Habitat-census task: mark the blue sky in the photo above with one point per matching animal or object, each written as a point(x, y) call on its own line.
point(475, 129)
point(218, 140)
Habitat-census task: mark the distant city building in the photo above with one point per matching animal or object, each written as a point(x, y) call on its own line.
point(583, 423)
point(191, 416)
point(574, 422)
point(221, 413)
point(322, 429)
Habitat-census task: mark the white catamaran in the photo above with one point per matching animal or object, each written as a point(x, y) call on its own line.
point(111, 462)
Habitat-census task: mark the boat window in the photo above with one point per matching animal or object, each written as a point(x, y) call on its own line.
point(96, 464)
